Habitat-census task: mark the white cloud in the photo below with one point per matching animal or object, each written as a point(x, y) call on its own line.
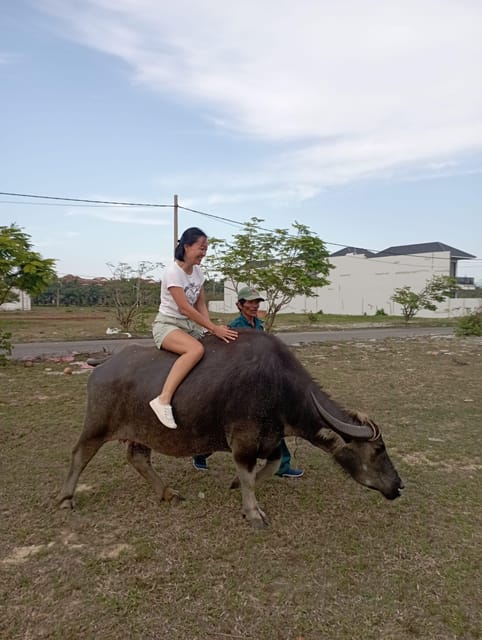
point(357, 88)
point(8, 58)
point(130, 215)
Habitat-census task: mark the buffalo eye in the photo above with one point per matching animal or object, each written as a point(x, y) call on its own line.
point(379, 447)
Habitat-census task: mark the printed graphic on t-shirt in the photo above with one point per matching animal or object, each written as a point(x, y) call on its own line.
point(192, 292)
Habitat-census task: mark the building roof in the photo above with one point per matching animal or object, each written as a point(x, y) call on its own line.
point(424, 247)
point(353, 250)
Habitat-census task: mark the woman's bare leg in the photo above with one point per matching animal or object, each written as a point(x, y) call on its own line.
point(190, 352)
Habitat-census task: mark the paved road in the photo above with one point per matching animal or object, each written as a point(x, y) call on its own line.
point(53, 349)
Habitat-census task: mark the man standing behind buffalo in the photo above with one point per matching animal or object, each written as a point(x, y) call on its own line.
point(248, 305)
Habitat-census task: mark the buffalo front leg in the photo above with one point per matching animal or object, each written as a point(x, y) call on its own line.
point(82, 453)
point(140, 458)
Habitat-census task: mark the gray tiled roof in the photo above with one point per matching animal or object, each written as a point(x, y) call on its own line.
point(356, 250)
point(424, 247)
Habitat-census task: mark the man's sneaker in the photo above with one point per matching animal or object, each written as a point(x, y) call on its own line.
point(290, 473)
point(199, 463)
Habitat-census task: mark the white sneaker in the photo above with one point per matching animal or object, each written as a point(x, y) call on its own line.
point(164, 413)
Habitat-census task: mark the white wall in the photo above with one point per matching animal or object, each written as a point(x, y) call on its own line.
point(24, 303)
point(361, 285)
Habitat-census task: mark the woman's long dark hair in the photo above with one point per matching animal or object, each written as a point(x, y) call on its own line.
point(189, 237)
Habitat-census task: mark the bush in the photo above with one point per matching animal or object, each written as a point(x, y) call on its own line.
point(315, 317)
point(470, 325)
point(5, 347)
point(380, 312)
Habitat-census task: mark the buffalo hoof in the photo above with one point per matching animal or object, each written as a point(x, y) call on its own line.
point(172, 496)
point(257, 519)
point(235, 484)
point(66, 503)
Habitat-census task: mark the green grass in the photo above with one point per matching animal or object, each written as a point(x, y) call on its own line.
point(339, 562)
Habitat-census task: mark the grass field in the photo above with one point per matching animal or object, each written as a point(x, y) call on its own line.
point(339, 562)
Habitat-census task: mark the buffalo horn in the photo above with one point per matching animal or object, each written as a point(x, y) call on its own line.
point(358, 431)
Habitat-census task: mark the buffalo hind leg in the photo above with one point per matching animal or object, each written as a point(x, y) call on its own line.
point(247, 482)
point(140, 458)
point(270, 467)
point(82, 454)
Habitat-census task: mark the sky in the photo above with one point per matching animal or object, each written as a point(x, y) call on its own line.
point(359, 119)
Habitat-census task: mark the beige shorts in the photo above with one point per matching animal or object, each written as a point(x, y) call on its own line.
point(163, 325)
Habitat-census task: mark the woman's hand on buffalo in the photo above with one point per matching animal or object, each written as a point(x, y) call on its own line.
point(223, 332)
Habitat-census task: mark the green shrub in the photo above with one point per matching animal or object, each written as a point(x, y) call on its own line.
point(5, 347)
point(470, 325)
point(380, 312)
point(315, 317)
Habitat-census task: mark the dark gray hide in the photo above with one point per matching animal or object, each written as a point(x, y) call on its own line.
point(242, 397)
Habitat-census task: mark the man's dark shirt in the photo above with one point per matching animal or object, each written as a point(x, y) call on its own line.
point(241, 323)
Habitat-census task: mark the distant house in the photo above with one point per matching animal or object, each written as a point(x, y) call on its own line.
point(24, 302)
point(353, 251)
point(363, 281)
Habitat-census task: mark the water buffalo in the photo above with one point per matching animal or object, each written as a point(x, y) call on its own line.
point(242, 397)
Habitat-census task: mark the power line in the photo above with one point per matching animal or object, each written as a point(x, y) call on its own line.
point(335, 244)
point(124, 204)
point(202, 213)
point(128, 204)
point(112, 202)
point(211, 215)
point(57, 204)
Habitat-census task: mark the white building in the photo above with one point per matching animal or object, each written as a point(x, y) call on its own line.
point(24, 302)
point(362, 282)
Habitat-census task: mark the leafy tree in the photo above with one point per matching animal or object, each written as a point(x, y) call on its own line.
point(72, 293)
point(214, 289)
point(51, 295)
point(280, 264)
point(436, 290)
point(20, 266)
point(130, 291)
point(70, 290)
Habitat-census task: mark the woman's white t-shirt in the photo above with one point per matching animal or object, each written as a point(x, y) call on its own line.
point(191, 284)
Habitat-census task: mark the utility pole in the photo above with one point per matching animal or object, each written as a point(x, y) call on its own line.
point(176, 238)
